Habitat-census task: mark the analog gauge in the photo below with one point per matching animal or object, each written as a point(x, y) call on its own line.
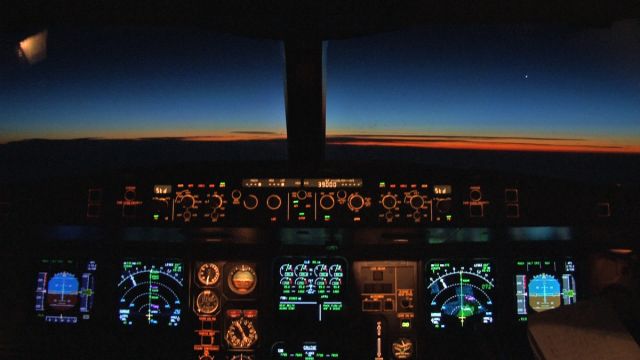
point(241, 334)
point(321, 282)
point(321, 270)
point(208, 274)
point(301, 270)
point(402, 348)
point(242, 279)
point(335, 282)
point(207, 302)
point(460, 294)
point(335, 270)
point(286, 281)
point(286, 270)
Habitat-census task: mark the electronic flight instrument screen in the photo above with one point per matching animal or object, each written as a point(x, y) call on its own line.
point(308, 351)
point(310, 286)
point(151, 292)
point(459, 293)
point(543, 284)
point(65, 290)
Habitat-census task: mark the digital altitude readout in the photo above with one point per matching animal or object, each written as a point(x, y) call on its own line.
point(310, 285)
point(151, 293)
point(543, 284)
point(459, 294)
point(65, 290)
point(332, 183)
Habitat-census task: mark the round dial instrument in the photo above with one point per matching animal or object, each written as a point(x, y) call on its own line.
point(207, 302)
point(208, 274)
point(242, 279)
point(241, 334)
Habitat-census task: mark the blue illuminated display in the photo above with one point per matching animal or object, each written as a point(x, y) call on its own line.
point(151, 293)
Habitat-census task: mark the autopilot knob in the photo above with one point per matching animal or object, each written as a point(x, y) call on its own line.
point(416, 202)
point(327, 202)
point(356, 202)
point(216, 202)
point(274, 202)
point(187, 201)
point(250, 202)
point(444, 206)
point(389, 201)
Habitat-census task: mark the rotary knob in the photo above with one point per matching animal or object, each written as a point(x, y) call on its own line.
point(216, 202)
point(187, 201)
point(416, 202)
point(356, 202)
point(389, 202)
point(250, 202)
point(327, 202)
point(444, 206)
point(302, 195)
point(274, 202)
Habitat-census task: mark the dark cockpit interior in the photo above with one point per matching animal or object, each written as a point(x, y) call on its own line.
point(365, 180)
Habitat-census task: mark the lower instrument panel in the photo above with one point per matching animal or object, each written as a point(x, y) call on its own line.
point(300, 306)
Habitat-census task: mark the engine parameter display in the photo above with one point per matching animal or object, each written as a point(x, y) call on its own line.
point(310, 285)
point(459, 293)
point(65, 290)
point(543, 285)
point(151, 293)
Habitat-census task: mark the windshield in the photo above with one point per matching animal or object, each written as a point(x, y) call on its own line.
point(142, 83)
point(522, 87)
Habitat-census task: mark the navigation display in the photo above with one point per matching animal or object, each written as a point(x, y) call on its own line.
point(151, 292)
point(543, 284)
point(312, 286)
point(459, 293)
point(65, 290)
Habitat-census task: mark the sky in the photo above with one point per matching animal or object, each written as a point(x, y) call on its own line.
point(499, 87)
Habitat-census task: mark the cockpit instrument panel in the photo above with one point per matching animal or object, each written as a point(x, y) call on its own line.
point(310, 286)
point(459, 293)
point(543, 284)
point(308, 351)
point(151, 292)
point(65, 290)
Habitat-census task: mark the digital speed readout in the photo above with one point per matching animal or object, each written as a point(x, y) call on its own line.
point(459, 294)
point(151, 293)
point(313, 286)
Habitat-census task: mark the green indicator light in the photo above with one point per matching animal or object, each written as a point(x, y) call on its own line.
point(156, 216)
point(449, 217)
point(295, 201)
point(300, 214)
point(406, 324)
point(327, 217)
point(223, 183)
point(382, 184)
